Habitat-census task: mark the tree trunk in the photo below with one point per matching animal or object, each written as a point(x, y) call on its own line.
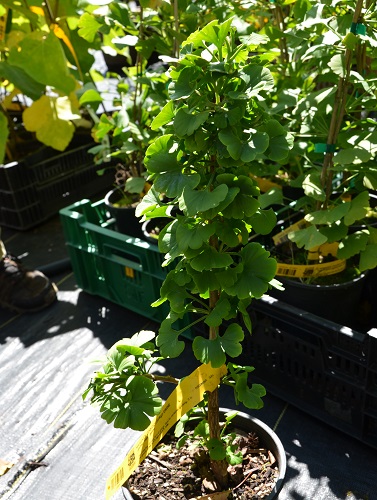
point(219, 467)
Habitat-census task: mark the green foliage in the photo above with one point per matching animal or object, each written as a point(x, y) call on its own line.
point(123, 389)
point(41, 59)
point(223, 448)
point(216, 124)
point(230, 115)
point(325, 68)
point(135, 33)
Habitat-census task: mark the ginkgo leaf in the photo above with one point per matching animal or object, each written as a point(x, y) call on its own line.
point(200, 201)
point(165, 116)
point(185, 123)
point(256, 271)
point(88, 27)
point(308, 237)
point(359, 208)
point(313, 187)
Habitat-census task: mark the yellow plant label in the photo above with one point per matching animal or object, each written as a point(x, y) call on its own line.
point(265, 184)
point(323, 250)
point(282, 237)
point(188, 393)
point(312, 270)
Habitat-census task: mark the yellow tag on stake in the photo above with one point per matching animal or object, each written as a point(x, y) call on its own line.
point(188, 393)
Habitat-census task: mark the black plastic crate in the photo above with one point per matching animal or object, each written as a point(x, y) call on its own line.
point(323, 368)
point(28, 207)
point(46, 165)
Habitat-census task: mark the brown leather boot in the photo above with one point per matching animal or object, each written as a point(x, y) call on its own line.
point(23, 290)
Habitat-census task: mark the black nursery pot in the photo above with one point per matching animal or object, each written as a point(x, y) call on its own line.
point(149, 226)
point(268, 439)
point(338, 302)
point(126, 221)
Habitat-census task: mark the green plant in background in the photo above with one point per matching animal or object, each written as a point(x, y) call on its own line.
point(217, 122)
point(327, 97)
point(42, 65)
point(140, 33)
point(145, 33)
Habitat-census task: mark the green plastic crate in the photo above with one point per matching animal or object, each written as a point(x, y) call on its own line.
point(115, 266)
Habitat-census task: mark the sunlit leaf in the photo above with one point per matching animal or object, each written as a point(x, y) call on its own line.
point(200, 201)
point(352, 244)
point(313, 187)
point(41, 56)
point(186, 123)
point(330, 215)
point(359, 208)
point(165, 116)
point(258, 269)
point(88, 27)
point(251, 397)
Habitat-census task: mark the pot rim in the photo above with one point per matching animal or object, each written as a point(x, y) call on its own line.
point(300, 284)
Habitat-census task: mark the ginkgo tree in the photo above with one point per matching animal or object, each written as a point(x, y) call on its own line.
point(216, 122)
point(328, 89)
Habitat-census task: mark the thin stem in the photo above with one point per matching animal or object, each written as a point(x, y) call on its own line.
point(338, 113)
point(137, 166)
point(279, 19)
point(219, 467)
point(162, 378)
point(176, 28)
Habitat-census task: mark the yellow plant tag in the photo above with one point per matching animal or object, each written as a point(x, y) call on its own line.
point(188, 393)
point(265, 184)
point(282, 237)
point(311, 270)
point(323, 250)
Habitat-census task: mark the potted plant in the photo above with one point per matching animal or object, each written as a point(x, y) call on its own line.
point(138, 33)
point(217, 121)
point(148, 32)
point(333, 120)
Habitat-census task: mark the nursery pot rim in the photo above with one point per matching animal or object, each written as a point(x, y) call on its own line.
point(297, 283)
point(112, 192)
point(268, 436)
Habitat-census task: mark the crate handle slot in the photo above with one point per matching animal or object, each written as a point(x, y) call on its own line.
point(125, 259)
